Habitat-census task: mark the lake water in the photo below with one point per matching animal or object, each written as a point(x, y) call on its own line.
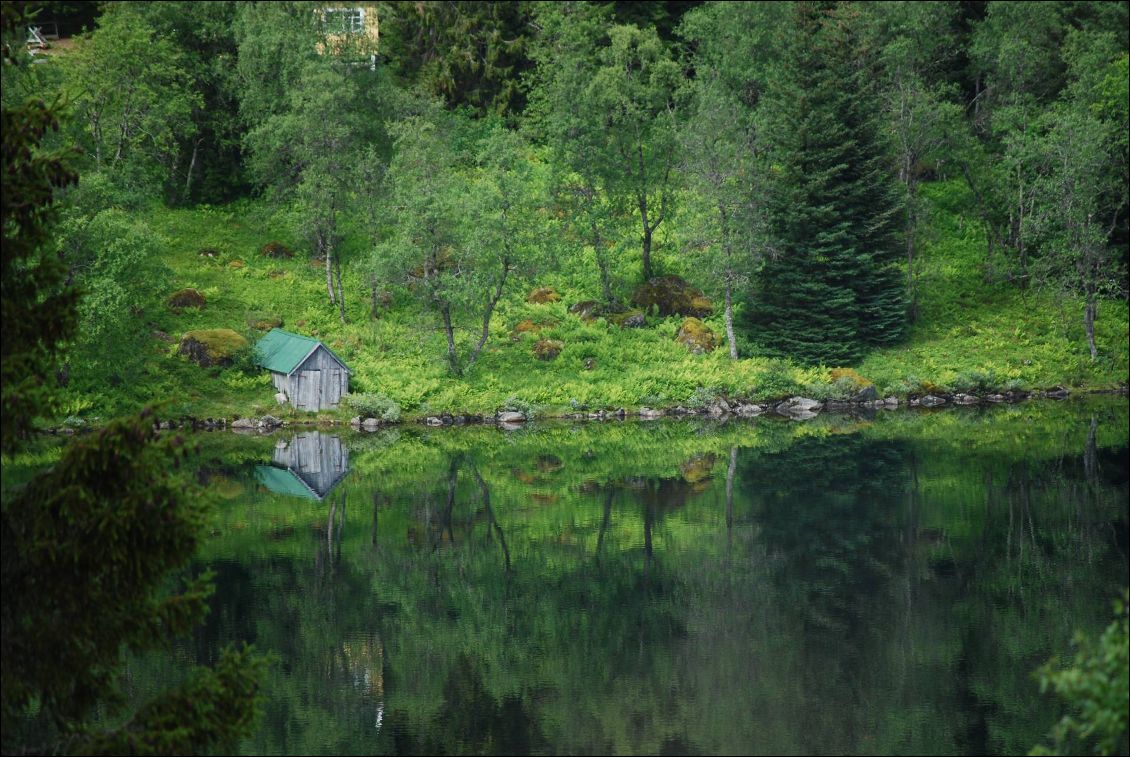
point(842, 585)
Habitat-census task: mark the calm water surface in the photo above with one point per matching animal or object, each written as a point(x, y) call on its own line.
point(842, 585)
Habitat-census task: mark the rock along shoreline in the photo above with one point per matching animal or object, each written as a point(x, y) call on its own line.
point(722, 408)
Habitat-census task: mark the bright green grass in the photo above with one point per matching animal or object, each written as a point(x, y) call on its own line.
point(965, 325)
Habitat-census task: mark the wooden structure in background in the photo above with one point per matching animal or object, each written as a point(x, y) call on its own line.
point(308, 372)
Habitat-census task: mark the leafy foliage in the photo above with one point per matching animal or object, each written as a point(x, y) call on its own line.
point(373, 405)
point(105, 528)
point(1095, 689)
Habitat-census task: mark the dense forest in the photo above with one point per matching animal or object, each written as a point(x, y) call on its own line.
point(538, 207)
point(934, 194)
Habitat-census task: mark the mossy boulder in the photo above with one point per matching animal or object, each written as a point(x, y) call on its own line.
point(208, 347)
point(186, 298)
point(264, 321)
point(630, 319)
point(586, 310)
point(547, 349)
point(524, 327)
point(848, 375)
point(696, 336)
point(672, 295)
point(276, 250)
point(542, 295)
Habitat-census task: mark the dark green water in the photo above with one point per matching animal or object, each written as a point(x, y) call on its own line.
point(841, 585)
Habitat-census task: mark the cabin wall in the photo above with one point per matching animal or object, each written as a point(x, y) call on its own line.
point(319, 383)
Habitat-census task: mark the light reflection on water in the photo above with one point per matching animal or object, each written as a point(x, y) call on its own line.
point(837, 586)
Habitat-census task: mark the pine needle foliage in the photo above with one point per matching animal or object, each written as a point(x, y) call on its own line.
point(833, 290)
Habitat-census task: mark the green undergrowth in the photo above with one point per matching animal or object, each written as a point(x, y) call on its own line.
point(970, 335)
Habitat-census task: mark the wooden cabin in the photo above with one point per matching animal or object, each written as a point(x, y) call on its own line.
point(350, 30)
point(308, 466)
point(304, 369)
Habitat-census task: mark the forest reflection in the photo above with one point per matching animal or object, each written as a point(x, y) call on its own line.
point(851, 587)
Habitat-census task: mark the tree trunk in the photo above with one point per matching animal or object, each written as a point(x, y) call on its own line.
point(601, 262)
point(324, 248)
point(730, 320)
point(340, 292)
point(647, 232)
point(1089, 325)
point(452, 357)
point(911, 294)
point(491, 302)
point(191, 167)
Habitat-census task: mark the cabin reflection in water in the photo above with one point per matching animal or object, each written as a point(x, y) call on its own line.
point(307, 466)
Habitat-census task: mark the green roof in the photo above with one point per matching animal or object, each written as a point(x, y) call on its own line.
point(281, 351)
point(284, 481)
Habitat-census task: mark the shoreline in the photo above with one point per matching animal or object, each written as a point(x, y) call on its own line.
point(722, 409)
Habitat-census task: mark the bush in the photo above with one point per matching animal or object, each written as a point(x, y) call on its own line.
point(518, 405)
point(374, 405)
point(975, 382)
point(703, 397)
point(243, 359)
point(775, 382)
point(1095, 689)
point(842, 389)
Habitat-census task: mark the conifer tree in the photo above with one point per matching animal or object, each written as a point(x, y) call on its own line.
point(834, 288)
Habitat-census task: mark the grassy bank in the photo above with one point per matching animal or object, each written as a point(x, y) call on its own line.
point(970, 335)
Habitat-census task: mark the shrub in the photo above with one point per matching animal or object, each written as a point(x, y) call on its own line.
point(975, 382)
point(1095, 688)
point(374, 405)
point(518, 405)
point(243, 359)
point(843, 388)
point(703, 397)
point(776, 381)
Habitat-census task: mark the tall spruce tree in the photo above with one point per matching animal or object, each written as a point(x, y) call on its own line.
point(834, 289)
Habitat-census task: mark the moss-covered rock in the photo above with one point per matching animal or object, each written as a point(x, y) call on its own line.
point(672, 295)
point(276, 250)
point(208, 347)
point(524, 327)
point(186, 298)
point(547, 349)
point(264, 321)
point(586, 310)
point(630, 319)
point(696, 336)
point(543, 295)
